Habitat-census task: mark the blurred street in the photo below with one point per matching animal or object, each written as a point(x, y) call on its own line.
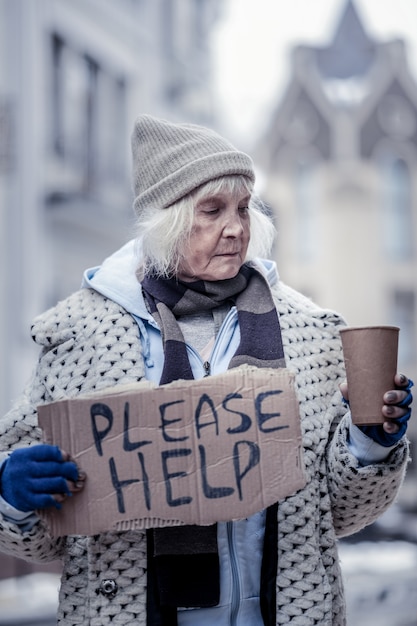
point(381, 583)
point(379, 567)
point(29, 600)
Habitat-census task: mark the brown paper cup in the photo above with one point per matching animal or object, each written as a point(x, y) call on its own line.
point(370, 354)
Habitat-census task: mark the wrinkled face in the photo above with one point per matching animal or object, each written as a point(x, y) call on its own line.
point(219, 238)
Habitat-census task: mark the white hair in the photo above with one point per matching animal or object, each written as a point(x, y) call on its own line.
point(161, 235)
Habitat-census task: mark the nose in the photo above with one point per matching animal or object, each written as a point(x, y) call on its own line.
point(233, 226)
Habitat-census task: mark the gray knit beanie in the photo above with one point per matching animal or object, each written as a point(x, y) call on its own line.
point(171, 160)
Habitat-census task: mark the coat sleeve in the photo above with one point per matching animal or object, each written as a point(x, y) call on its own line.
point(19, 429)
point(359, 495)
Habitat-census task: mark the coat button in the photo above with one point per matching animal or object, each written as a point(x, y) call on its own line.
point(108, 588)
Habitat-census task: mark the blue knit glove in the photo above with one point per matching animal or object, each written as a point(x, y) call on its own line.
point(30, 475)
point(378, 434)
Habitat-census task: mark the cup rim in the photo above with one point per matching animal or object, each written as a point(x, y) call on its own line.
point(370, 327)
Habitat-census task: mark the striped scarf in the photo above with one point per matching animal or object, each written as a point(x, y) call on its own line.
point(260, 342)
point(190, 577)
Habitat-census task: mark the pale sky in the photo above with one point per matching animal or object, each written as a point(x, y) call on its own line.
point(253, 41)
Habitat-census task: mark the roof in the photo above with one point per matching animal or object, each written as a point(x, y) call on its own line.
point(351, 52)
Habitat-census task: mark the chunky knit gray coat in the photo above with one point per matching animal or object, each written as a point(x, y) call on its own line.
point(89, 342)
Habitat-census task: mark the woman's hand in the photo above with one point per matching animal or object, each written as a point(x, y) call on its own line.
point(38, 477)
point(397, 404)
point(396, 410)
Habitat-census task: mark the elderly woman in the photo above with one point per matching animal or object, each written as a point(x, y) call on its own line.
point(191, 297)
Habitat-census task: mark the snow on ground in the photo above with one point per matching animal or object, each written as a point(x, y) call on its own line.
point(29, 599)
point(380, 583)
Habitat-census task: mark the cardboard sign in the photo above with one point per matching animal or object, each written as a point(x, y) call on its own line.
point(191, 452)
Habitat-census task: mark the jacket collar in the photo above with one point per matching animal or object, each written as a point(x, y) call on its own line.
point(116, 279)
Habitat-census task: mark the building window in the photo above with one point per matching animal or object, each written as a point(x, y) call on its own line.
point(168, 22)
point(88, 119)
point(110, 145)
point(404, 316)
point(7, 139)
point(396, 218)
point(199, 24)
point(72, 85)
point(306, 210)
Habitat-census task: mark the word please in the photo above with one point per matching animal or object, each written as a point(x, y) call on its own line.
point(219, 441)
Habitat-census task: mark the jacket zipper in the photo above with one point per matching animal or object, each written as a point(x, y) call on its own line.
point(235, 595)
point(229, 320)
point(236, 587)
point(207, 365)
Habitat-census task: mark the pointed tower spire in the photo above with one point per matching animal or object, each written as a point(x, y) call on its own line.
point(351, 52)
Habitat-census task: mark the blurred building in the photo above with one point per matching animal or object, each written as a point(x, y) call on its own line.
point(340, 162)
point(74, 74)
